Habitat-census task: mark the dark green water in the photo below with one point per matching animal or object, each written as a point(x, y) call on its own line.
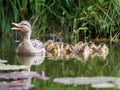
point(67, 68)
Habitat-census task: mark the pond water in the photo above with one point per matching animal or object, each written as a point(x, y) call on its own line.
point(65, 67)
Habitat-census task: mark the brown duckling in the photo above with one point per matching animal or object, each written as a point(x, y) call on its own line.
point(102, 50)
point(93, 49)
point(78, 46)
point(47, 44)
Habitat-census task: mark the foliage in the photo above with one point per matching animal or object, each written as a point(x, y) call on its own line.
point(64, 18)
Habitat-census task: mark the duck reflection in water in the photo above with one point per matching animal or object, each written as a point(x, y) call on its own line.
point(26, 75)
point(22, 79)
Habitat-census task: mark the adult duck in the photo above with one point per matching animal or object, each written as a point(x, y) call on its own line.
point(27, 46)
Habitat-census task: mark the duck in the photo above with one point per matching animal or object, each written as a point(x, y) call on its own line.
point(28, 46)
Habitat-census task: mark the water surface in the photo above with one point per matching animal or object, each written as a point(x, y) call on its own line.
point(65, 67)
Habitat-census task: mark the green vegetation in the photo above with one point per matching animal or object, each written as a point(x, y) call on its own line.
point(72, 20)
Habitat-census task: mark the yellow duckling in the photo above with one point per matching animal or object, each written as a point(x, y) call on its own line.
point(68, 48)
point(53, 48)
point(56, 48)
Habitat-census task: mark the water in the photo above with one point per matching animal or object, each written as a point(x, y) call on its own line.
point(59, 68)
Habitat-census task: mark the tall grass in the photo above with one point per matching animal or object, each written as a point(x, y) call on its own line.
point(70, 20)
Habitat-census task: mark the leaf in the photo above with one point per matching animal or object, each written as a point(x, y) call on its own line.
point(101, 1)
point(90, 8)
point(13, 67)
point(83, 28)
point(3, 61)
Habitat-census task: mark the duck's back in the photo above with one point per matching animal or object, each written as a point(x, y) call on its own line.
point(31, 48)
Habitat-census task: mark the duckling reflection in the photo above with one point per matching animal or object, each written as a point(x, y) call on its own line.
point(52, 56)
point(81, 58)
point(31, 60)
point(58, 56)
point(102, 50)
point(64, 54)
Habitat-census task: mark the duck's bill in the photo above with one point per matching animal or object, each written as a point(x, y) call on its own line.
point(16, 26)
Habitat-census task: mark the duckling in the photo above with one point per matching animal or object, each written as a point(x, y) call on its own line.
point(60, 45)
point(56, 48)
point(68, 48)
point(92, 49)
point(47, 44)
point(84, 51)
point(102, 50)
point(78, 46)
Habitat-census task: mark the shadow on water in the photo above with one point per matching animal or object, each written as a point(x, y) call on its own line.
point(62, 69)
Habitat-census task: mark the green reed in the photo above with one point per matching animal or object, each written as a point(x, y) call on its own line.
point(64, 18)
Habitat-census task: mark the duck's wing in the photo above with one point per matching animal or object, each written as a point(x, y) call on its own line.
point(37, 44)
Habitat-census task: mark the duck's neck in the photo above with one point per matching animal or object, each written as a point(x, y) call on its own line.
point(27, 37)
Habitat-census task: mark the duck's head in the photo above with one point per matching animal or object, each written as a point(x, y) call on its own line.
point(23, 26)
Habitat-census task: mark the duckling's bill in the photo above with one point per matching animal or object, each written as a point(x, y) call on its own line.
point(16, 26)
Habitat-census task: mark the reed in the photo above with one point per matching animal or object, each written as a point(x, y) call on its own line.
point(71, 20)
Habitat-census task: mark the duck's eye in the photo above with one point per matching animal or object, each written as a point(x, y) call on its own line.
point(25, 24)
